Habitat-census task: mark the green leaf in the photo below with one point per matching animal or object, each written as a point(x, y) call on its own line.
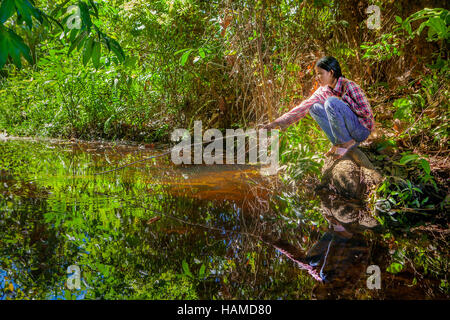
point(12, 45)
point(6, 10)
point(440, 63)
point(15, 56)
point(87, 52)
point(407, 158)
point(130, 61)
point(73, 34)
point(67, 295)
point(395, 267)
point(344, 23)
point(417, 189)
point(420, 99)
point(179, 51)
point(431, 33)
point(27, 11)
point(94, 7)
point(421, 27)
point(96, 51)
point(84, 15)
point(104, 39)
point(404, 108)
point(77, 41)
point(408, 27)
point(117, 49)
point(186, 269)
point(82, 42)
point(201, 272)
point(439, 27)
point(201, 52)
point(51, 20)
point(385, 144)
point(185, 57)
point(3, 57)
point(398, 19)
point(425, 165)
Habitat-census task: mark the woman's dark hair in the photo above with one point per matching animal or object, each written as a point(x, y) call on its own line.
point(330, 63)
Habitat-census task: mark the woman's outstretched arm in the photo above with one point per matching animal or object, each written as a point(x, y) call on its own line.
point(296, 113)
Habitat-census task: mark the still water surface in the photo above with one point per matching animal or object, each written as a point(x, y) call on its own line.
point(159, 231)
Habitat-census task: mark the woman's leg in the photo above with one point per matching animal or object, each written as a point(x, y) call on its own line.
point(318, 113)
point(340, 124)
point(344, 124)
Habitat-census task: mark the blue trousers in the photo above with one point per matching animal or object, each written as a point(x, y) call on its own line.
point(338, 121)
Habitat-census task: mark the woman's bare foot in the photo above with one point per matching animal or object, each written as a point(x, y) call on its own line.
point(343, 149)
point(348, 144)
point(331, 151)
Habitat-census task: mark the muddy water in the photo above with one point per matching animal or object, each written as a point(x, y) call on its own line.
point(158, 231)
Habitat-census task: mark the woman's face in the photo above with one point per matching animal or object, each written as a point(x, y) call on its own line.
point(324, 77)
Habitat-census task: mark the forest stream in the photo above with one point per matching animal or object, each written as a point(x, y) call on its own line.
point(154, 230)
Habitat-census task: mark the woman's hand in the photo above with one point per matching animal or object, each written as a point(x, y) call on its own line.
point(272, 125)
point(268, 126)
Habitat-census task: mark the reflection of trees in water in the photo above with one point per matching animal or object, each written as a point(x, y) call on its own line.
point(130, 234)
point(242, 264)
point(31, 249)
point(102, 225)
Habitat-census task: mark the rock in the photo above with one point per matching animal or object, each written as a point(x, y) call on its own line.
point(352, 176)
point(350, 179)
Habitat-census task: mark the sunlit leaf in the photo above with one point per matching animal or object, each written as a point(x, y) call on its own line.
point(395, 267)
point(202, 53)
point(186, 269)
point(407, 158)
point(185, 57)
point(425, 165)
point(201, 272)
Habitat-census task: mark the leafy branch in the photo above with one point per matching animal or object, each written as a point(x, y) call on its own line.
point(87, 35)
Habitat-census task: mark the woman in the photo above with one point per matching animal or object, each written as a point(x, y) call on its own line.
point(339, 106)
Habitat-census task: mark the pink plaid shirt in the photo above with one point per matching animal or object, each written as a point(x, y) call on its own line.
point(345, 89)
